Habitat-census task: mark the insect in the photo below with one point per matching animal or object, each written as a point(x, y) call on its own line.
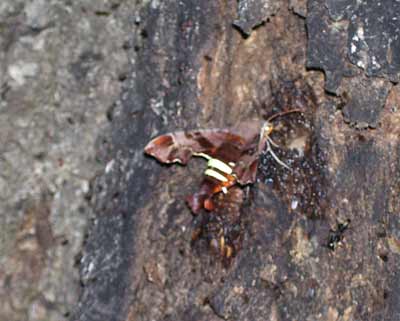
point(336, 236)
point(231, 154)
point(232, 159)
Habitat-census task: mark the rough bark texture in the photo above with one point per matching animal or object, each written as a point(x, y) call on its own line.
point(192, 69)
point(62, 65)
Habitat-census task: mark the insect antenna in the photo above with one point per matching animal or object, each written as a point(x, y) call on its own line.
point(297, 110)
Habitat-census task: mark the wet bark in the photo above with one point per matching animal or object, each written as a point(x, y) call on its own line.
point(191, 68)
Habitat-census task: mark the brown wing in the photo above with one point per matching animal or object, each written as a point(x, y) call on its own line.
point(179, 147)
point(246, 168)
point(224, 144)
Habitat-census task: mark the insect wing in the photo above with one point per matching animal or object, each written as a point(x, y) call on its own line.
point(179, 147)
point(246, 168)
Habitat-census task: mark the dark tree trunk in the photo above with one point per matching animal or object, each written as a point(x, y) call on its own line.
point(191, 68)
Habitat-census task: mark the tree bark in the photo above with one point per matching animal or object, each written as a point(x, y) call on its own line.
point(191, 68)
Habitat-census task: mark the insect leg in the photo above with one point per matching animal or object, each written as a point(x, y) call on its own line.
point(273, 143)
point(269, 149)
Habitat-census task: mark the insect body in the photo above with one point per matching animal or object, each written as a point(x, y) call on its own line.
point(220, 171)
point(232, 155)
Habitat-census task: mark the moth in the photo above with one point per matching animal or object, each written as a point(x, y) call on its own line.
point(232, 155)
